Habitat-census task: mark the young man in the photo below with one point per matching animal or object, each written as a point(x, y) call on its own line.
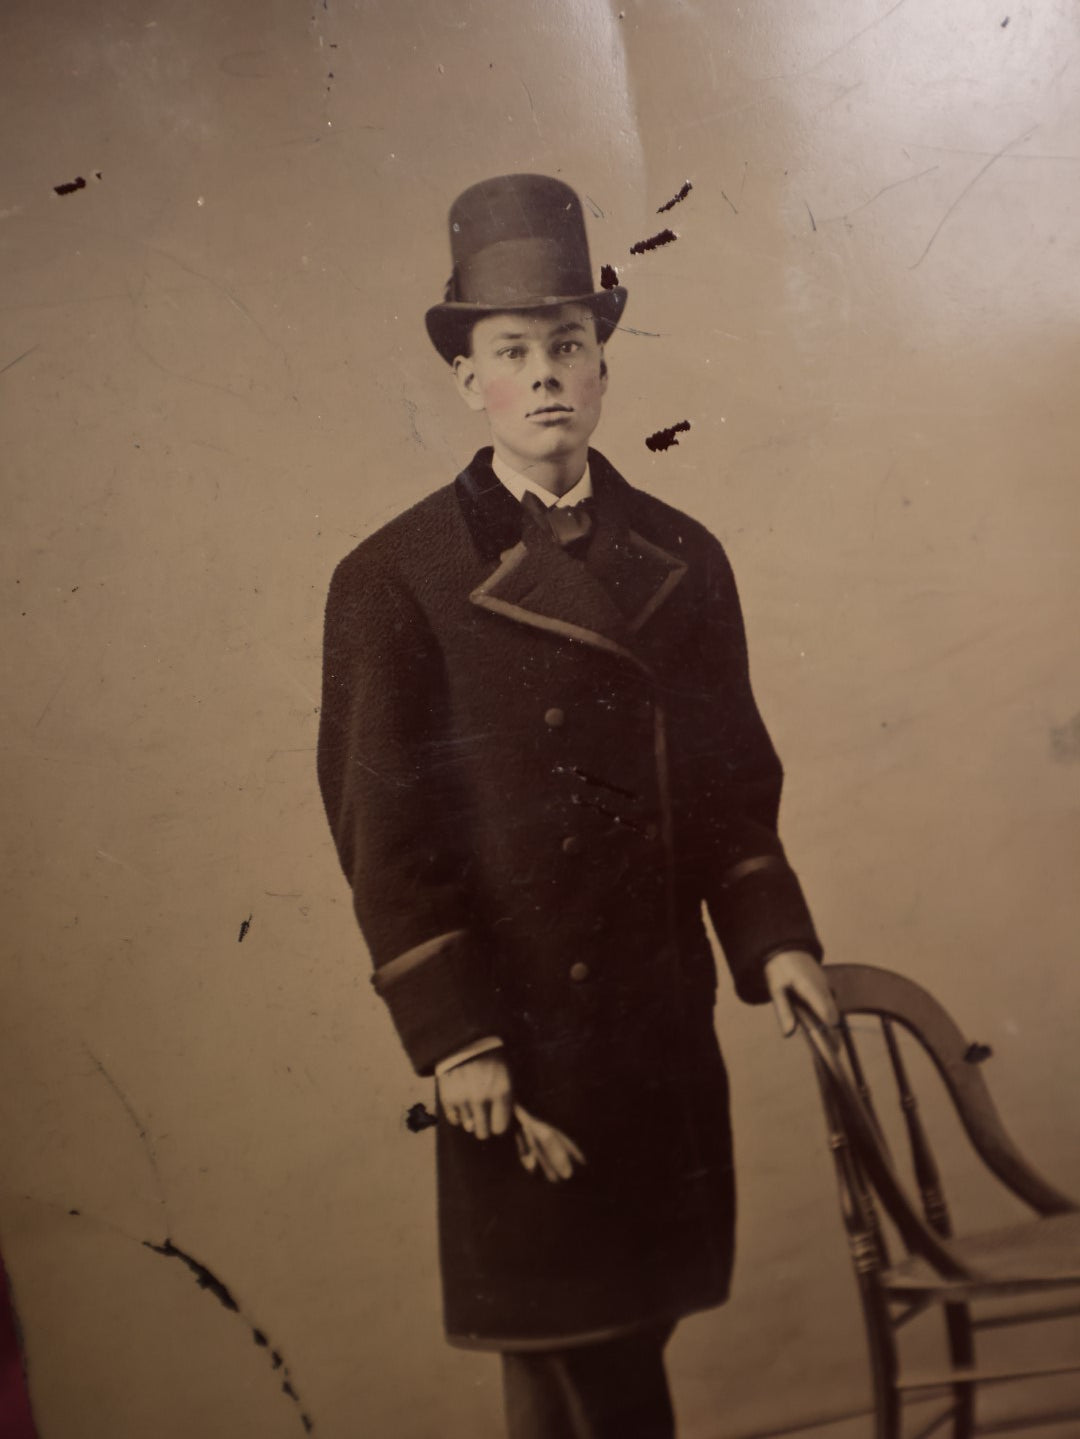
point(540, 756)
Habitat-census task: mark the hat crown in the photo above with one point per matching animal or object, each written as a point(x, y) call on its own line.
point(518, 243)
point(518, 240)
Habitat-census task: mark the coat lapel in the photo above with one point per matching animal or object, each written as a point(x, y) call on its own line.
point(604, 600)
point(638, 574)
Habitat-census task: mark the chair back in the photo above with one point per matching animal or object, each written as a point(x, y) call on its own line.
point(864, 1164)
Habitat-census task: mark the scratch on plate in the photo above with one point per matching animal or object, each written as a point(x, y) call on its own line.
point(140, 1128)
point(994, 158)
point(18, 359)
point(532, 107)
point(857, 36)
point(894, 185)
point(49, 702)
point(114, 859)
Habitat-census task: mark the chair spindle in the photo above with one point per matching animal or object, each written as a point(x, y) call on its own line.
point(927, 1174)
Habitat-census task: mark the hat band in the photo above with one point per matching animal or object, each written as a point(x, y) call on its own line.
point(517, 273)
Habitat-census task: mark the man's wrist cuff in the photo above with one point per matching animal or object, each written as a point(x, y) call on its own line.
point(471, 1051)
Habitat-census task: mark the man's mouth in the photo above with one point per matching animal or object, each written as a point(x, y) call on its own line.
point(550, 410)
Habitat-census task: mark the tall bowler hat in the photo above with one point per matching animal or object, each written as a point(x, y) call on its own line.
point(518, 243)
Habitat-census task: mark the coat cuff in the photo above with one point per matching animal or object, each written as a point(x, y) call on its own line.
point(437, 997)
point(757, 908)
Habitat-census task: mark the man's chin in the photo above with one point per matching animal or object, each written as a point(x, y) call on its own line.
point(554, 444)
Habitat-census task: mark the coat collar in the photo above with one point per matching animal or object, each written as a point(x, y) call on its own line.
point(605, 600)
point(491, 513)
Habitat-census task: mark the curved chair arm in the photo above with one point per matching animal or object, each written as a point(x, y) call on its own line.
point(862, 989)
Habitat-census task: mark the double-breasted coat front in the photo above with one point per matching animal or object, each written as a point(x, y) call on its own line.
point(537, 767)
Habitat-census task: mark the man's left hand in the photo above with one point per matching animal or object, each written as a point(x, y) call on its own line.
point(793, 971)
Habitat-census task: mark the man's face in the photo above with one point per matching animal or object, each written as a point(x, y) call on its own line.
point(539, 377)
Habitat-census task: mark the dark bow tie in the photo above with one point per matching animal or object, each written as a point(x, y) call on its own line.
point(568, 525)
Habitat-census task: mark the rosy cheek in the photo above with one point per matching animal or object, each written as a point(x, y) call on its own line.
point(588, 388)
point(500, 395)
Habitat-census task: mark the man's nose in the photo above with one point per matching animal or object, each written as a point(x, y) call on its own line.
point(545, 376)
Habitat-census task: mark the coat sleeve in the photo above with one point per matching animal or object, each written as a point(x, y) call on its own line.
point(400, 830)
point(752, 893)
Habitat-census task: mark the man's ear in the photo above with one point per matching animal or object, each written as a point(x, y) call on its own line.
point(603, 372)
point(465, 379)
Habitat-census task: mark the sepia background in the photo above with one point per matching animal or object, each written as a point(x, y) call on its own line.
point(215, 380)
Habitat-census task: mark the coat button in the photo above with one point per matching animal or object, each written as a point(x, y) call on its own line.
point(571, 844)
point(579, 972)
point(554, 718)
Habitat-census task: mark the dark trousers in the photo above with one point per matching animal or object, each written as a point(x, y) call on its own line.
point(614, 1390)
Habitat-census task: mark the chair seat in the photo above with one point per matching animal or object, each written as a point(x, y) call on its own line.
point(1036, 1252)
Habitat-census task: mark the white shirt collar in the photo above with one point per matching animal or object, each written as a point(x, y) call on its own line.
point(520, 485)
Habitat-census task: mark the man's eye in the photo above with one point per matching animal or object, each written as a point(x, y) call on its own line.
point(569, 347)
point(513, 352)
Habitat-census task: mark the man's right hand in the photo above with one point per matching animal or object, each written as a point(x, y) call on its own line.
point(478, 1095)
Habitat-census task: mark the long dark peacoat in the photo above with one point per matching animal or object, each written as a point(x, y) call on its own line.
point(537, 768)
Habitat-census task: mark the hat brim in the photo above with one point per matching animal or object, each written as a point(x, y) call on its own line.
point(448, 324)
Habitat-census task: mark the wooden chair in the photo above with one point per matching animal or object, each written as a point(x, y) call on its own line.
point(933, 1270)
